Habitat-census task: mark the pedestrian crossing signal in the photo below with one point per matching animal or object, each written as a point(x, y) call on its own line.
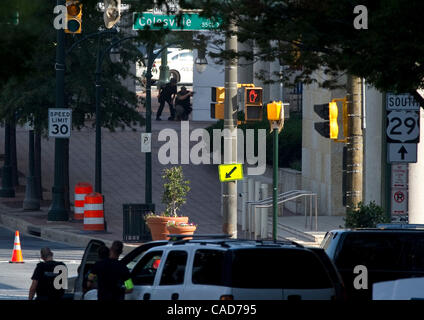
point(217, 105)
point(73, 17)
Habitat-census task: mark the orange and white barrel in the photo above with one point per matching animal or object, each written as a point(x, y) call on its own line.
point(81, 190)
point(94, 218)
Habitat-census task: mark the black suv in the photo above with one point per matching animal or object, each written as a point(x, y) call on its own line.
point(389, 252)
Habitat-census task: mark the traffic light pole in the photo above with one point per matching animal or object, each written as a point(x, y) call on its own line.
point(275, 185)
point(354, 161)
point(229, 196)
point(58, 211)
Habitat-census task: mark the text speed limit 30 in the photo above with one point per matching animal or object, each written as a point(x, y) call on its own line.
point(60, 121)
point(403, 126)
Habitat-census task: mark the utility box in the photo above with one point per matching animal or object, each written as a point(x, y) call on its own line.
point(134, 226)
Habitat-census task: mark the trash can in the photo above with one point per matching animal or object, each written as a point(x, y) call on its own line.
point(135, 228)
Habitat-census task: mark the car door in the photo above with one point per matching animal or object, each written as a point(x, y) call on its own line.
point(172, 275)
point(144, 274)
point(89, 258)
point(131, 259)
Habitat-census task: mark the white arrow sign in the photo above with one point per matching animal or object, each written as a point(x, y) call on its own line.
point(402, 152)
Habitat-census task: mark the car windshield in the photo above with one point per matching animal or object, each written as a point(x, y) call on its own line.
point(278, 268)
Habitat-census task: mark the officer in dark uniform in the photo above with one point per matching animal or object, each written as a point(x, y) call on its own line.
point(43, 278)
point(167, 94)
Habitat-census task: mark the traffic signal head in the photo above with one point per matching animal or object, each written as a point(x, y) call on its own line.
point(217, 105)
point(252, 103)
point(112, 12)
point(328, 112)
point(73, 17)
point(218, 94)
point(275, 111)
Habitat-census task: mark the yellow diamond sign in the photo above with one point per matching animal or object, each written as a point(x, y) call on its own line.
point(230, 172)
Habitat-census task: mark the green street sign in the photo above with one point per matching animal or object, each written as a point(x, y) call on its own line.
point(187, 22)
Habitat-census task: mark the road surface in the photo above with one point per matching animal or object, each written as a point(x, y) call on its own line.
point(15, 278)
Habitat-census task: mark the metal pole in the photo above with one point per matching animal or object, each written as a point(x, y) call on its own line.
point(150, 58)
point(230, 142)
point(275, 186)
point(98, 160)
point(32, 200)
point(58, 211)
point(7, 190)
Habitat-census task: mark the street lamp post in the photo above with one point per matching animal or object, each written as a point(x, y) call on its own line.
point(57, 210)
point(32, 200)
point(229, 194)
point(7, 190)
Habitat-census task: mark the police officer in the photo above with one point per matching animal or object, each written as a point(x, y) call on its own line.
point(113, 278)
point(43, 278)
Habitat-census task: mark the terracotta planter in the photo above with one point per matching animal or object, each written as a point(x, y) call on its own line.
point(157, 226)
point(184, 230)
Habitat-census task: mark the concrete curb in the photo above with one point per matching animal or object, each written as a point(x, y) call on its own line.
point(55, 233)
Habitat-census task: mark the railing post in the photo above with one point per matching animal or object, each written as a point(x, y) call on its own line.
point(264, 213)
point(250, 197)
point(244, 200)
point(256, 218)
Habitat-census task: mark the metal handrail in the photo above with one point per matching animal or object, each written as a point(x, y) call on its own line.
point(284, 197)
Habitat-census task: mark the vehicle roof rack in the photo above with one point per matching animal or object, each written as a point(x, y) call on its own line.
point(198, 236)
point(400, 226)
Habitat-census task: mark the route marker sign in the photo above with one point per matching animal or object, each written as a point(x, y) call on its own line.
point(60, 122)
point(401, 102)
point(402, 127)
point(230, 172)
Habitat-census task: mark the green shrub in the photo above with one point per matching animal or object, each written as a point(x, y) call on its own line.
point(366, 216)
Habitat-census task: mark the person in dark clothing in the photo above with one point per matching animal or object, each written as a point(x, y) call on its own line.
point(182, 104)
point(112, 277)
point(116, 249)
point(167, 94)
point(43, 278)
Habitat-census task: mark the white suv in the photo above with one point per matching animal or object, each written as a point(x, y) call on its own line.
point(226, 269)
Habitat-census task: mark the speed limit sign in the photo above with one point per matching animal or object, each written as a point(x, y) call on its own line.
point(60, 121)
point(403, 126)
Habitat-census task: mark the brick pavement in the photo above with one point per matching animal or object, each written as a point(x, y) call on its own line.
point(123, 178)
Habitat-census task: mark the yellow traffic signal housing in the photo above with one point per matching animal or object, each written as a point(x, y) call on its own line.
point(218, 94)
point(218, 98)
point(334, 126)
point(217, 111)
point(73, 17)
point(253, 108)
point(275, 111)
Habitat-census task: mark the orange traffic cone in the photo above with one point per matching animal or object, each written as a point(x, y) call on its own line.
point(17, 251)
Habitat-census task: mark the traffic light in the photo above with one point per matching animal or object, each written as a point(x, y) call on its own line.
point(112, 12)
point(328, 112)
point(252, 101)
point(217, 105)
point(73, 17)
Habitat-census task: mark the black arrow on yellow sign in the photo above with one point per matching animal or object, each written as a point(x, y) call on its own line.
point(228, 175)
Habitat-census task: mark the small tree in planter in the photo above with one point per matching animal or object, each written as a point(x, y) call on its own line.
point(175, 190)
